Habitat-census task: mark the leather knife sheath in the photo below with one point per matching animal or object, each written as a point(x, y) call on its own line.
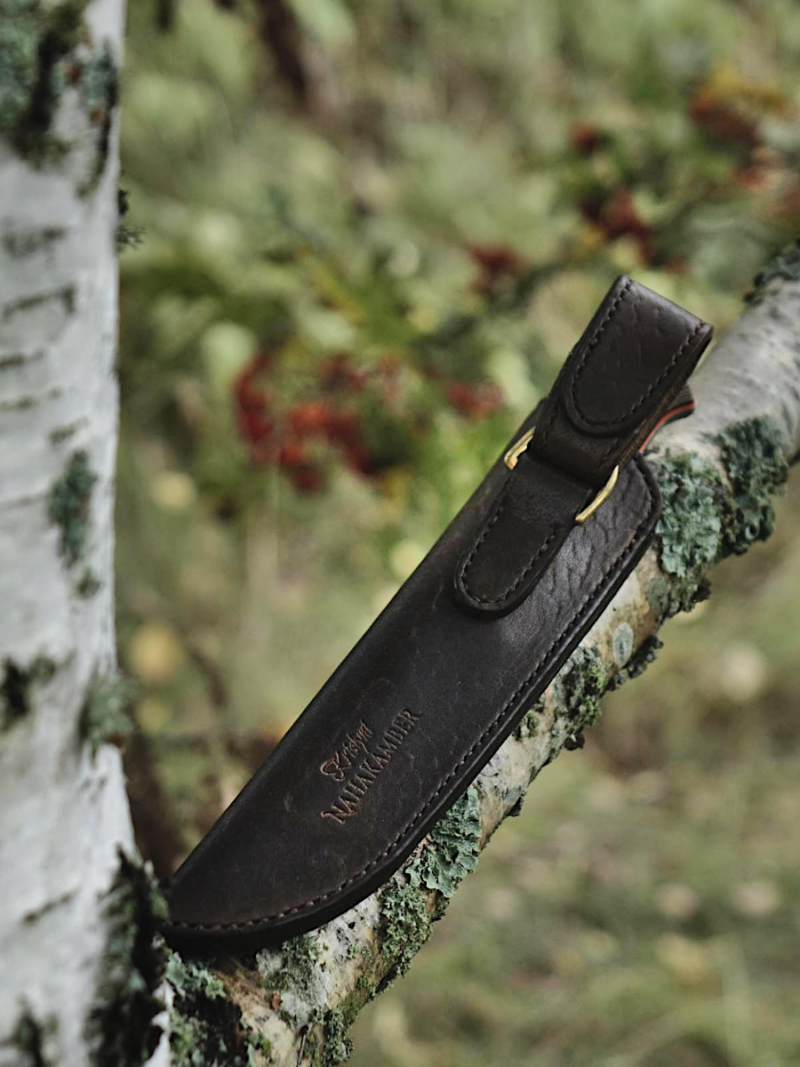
point(465, 647)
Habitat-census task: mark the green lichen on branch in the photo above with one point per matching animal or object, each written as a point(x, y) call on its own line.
point(16, 684)
point(405, 922)
point(189, 978)
point(205, 1026)
point(689, 531)
point(451, 850)
point(754, 460)
point(290, 967)
point(785, 265)
point(449, 853)
point(69, 506)
point(337, 1046)
point(120, 1029)
point(202, 1020)
point(105, 716)
point(702, 519)
point(580, 685)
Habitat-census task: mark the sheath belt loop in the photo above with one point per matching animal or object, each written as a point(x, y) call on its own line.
point(614, 389)
point(511, 458)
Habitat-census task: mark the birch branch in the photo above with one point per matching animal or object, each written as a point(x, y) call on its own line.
point(717, 472)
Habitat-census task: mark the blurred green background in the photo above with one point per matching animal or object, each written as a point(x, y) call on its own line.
point(361, 238)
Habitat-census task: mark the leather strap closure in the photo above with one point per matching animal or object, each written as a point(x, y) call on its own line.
point(613, 391)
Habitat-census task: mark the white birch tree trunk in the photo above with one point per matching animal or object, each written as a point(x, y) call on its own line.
point(63, 808)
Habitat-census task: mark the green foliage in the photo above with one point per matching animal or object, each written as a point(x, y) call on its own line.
point(199, 1032)
point(69, 506)
point(301, 952)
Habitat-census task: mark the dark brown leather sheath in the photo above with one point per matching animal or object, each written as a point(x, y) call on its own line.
point(462, 651)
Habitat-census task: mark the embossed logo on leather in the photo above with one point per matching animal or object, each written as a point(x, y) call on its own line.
point(347, 753)
point(360, 759)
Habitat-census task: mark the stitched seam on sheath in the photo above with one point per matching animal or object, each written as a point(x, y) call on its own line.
point(550, 422)
point(653, 385)
point(609, 315)
point(462, 574)
point(576, 373)
point(587, 607)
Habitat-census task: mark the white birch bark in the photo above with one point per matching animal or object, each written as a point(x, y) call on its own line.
point(63, 810)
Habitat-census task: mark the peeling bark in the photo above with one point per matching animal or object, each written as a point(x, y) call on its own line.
point(718, 471)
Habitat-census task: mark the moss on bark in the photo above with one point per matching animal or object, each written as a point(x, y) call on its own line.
point(753, 456)
point(35, 42)
point(45, 50)
point(69, 506)
point(120, 1029)
point(205, 1026)
point(580, 685)
point(451, 851)
point(785, 265)
point(105, 718)
point(689, 532)
point(295, 965)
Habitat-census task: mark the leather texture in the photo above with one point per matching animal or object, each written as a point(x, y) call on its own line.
point(414, 712)
point(630, 364)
